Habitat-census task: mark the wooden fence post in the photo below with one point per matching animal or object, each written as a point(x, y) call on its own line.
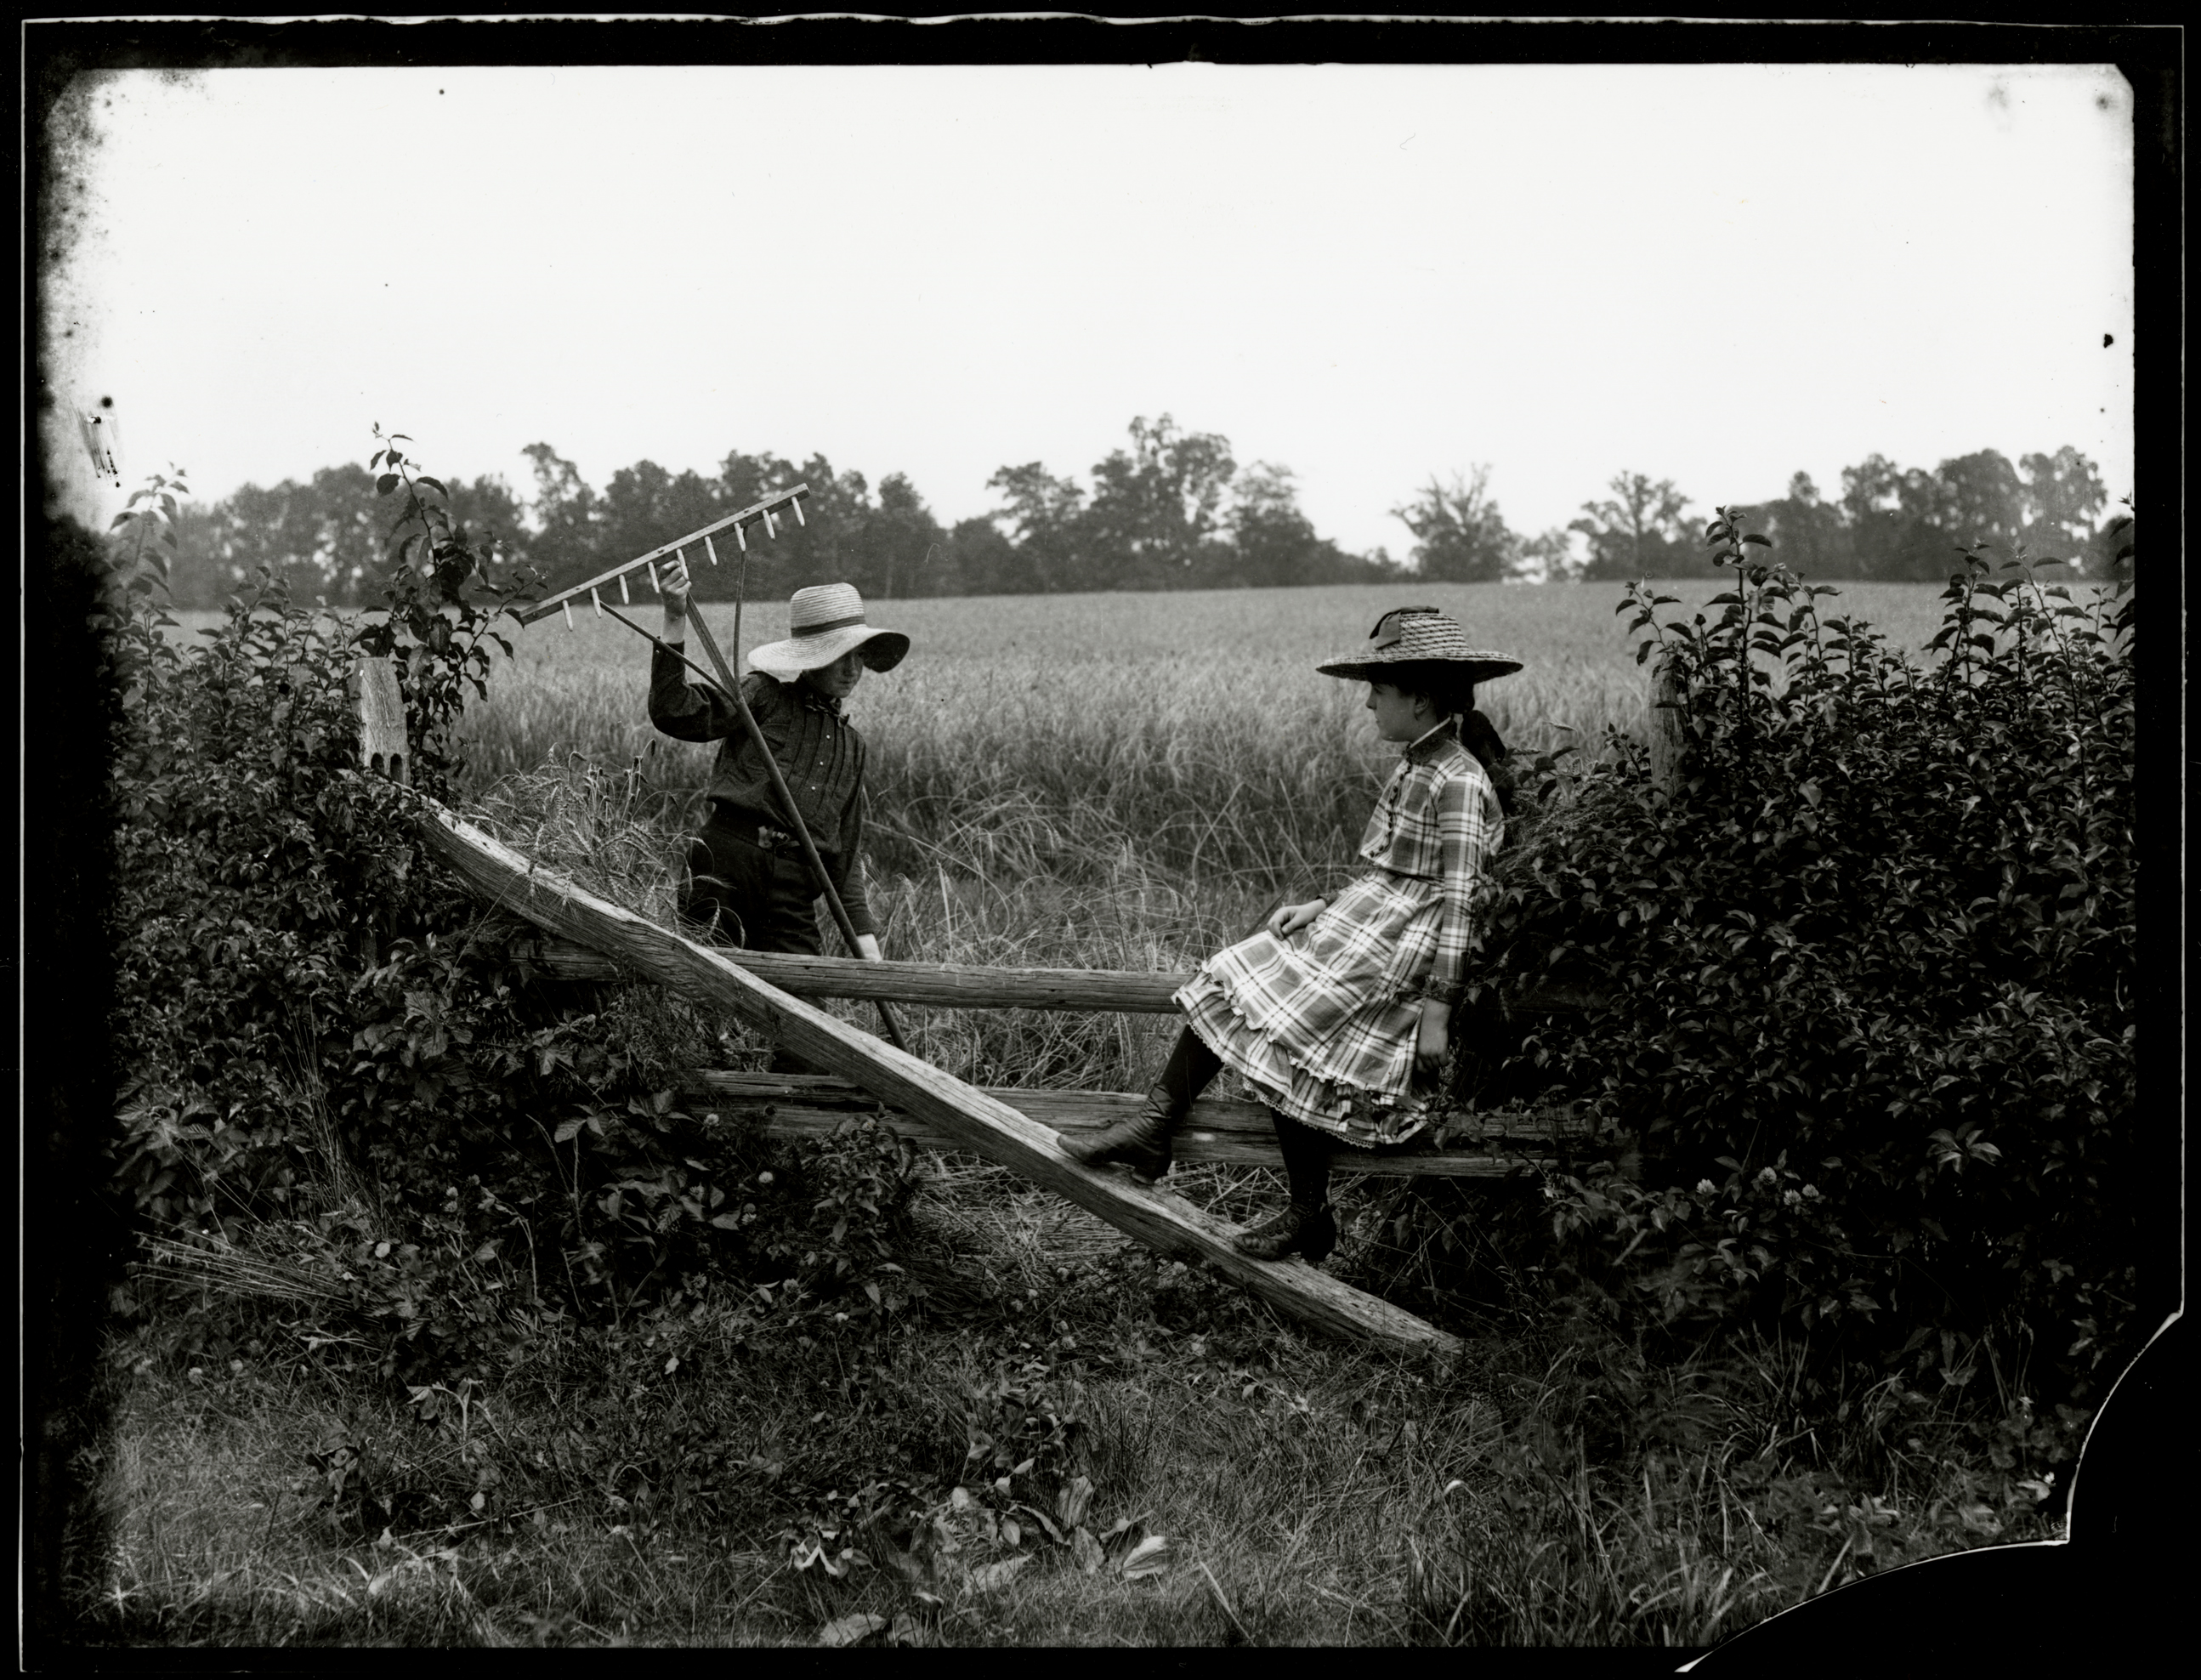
point(382, 745)
point(1669, 700)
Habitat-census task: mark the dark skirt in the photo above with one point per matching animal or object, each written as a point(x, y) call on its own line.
point(749, 886)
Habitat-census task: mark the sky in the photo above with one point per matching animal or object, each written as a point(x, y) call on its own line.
point(1371, 275)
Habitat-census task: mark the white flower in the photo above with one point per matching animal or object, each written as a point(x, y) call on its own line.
point(1705, 1187)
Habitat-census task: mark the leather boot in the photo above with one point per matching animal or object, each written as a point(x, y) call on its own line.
point(1306, 1226)
point(1142, 1143)
point(1296, 1231)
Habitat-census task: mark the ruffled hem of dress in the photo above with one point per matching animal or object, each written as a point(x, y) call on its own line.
point(1205, 985)
point(1325, 1117)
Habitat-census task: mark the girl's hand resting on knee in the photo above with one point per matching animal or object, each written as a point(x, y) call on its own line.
point(1294, 916)
point(1435, 1039)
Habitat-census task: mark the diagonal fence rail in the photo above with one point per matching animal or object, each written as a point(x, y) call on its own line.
point(975, 1119)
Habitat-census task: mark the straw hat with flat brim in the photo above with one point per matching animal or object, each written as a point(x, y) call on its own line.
point(1407, 634)
point(823, 622)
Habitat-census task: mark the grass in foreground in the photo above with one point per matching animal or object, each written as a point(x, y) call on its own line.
point(676, 1483)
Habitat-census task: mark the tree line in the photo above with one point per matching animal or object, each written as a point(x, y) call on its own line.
point(1889, 522)
point(1173, 510)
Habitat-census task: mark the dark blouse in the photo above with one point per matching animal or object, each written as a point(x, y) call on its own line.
point(818, 752)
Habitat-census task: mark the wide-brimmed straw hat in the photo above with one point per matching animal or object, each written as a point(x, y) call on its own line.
point(823, 622)
point(1407, 634)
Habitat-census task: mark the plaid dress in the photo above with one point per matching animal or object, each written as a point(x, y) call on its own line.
point(1323, 1026)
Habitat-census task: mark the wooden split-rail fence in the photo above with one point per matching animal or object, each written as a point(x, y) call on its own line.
point(581, 936)
point(1218, 1129)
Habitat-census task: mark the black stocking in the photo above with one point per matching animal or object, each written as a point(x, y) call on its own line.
point(1191, 1066)
point(1306, 1161)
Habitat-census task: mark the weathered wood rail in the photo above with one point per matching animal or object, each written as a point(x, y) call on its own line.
point(975, 1119)
point(958, 986)
point(1218, 1129)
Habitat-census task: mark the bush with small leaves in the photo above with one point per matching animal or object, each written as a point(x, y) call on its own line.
point(323, 1028)
point(1870, 963)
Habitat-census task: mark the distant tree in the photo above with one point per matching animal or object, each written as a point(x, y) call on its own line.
point(1546, 558)
point(1638, 531)
point(1459, 535)
point(747, 479)
point(196, 576)
point(324, 537)
point(977, 559)
point(1906, 523)
point(890, 550)
point(491, 519)
point(1812, 535)
point(253, 526)
point(1927, 527)
point(816, 548)
point(1376, 566)
point(644, 506)
point(1042, 516)
point(842, 534)
point(2064, 502)
point(1868, 488)
point(327, 538)
point(1868, 505)
point(1172, 511)
point(1981, 500)
point(565, 543)
point(1892, 515)
point(1272, 543)
point(353, 525)
point(1156, 518)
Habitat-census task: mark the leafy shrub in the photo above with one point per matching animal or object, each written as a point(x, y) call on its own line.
point(323, 1028)
point(827, 1225)
point(1869, 954)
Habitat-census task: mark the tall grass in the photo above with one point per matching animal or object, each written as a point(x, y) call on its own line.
point(1067, 736)
point(619, 833)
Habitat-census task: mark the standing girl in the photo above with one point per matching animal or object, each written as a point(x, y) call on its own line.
point(747, 880)
point(1337, 1014)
